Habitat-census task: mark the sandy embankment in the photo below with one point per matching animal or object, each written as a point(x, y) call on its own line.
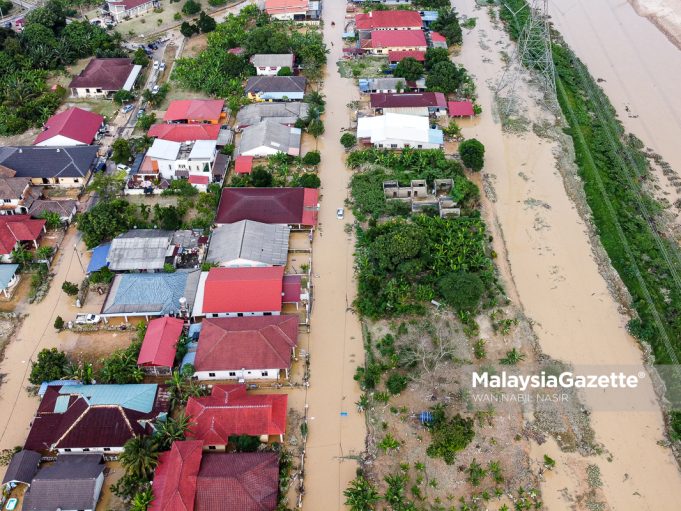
point(665, 14)
point(561, 289)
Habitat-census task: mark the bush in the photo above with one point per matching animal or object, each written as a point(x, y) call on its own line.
point(396, 383)
point(308, 180)
point(102, 276)
point(472, 154)
point(348, 140)
point(69, 288)
point(449, 437)
point(168, 268)
point(206, 23)
point(410, 69)
point(261, 177)
point(124, 96)
point(245, 443)
point(461, 290)
point(51, 364)
point(146, 120)
point(191, 7)
point(312, 158)
point(285, 71)
point(59, 323)
point(188, 30)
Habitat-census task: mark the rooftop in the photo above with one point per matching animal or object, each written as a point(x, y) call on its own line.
point(255, 289)
point(258, 342)
point(49, 162)
point(185, 132)
point(388, 19)
point(249, 241)
point(393, 126)
point(243, 164)
point(74, 123)
point(22, 467)
point(273, 60)
point(160, 342)
point(257, 84)
point(460, 108)
point(270, 134)
point(153, 294)
point(140, 249)
point(7, 272)
point(408, 100)
point(108, 74)
point(14, 228)
point(230, 410)
point(285, 6)
point(397, 39)
point(398, 56)
point(194, 110)
point(282, 112)
point(268, 205)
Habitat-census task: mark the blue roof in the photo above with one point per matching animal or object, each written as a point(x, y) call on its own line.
point(151, 293)
point(429, 15)
point(98, 260)
point(45, 384)
point(194, 330)
point(7, 271)
point(139, 397)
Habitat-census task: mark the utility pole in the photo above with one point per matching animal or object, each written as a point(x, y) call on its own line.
point(533, 51)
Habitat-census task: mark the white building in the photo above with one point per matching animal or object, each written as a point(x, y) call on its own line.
point(269, 64)
point(179, 160)
point(397, 131)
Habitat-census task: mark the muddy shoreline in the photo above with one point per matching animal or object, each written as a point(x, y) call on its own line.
point(664, 14)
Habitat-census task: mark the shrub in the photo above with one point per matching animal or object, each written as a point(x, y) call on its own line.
point(472, 154)
point(309, 180)
point(261, 177)
point(69, 288)
point(191, 7)
point(348, 140)
point(396, 383)
point(461, 290)
point(59, 323)
point(449, 436)
point(285, 71)
point(312, 158)
point(410, 69)
point(51, 364)
point(168, 268)
point(206, 23)
point(245, 443)
point(102, 276)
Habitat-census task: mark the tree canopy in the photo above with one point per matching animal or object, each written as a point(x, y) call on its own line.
point(472, 154)
point(50, 365)
point(445, 77)
point(447, 24)
point(435, 55)
point(410, 69)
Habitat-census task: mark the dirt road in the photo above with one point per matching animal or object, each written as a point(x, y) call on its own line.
point(335, 340)
point(37, 332)
point(560, 288)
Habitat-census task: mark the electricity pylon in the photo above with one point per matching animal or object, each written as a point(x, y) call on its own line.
point(533, 51)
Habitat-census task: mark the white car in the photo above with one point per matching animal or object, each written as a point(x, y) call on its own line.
point(162, 66)
point(154, 89)
point(87, 319)
point(121, 166)
point(156, 64)
point(340, 213)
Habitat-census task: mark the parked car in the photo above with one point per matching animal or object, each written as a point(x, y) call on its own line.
point(87, 319)
point(162, 66)
point(156, 64)
point(127, 108)
point(122, 166)
point(140, 112)
point(154, 89)
point(340, 213)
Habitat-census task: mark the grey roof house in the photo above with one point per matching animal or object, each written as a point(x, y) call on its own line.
point(74, 481)
point(151, 294)
point(268, 138)
point(277, 88)
point(140, 250)
point(269, 64)
point(22, 468)
point(249, 243)
point(64, 166)
point(283, 113)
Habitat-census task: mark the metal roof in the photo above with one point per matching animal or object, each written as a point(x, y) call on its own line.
point(272, 60)
point(249, 240)
point(49, 162)
point(7, 272)
point(164, 149)
point(151, 294)
point(272, 135)
point(139, 249)
point(203, 150)
point(136, 396)
point(99, 256)
point(281, 112)
point(22, 468)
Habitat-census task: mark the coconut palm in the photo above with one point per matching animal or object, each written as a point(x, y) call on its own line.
point(361, 495)
point(172, 430)
point(142, 500)
point(139, 457)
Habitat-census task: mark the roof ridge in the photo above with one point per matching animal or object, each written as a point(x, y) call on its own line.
point(267, 341)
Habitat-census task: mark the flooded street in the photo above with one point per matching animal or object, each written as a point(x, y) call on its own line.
point(337, 430)
point(556, 274)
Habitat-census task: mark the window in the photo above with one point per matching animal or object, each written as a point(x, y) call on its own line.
point(232, 373)
point(264, 373)
point(266, 313)
point(76, 180)
point(394, 146)
point(86, 450)
point(212, 375)
point(7, 200)
point(420, 146)
point(67, 450)
point(106, 449)
point(212, 447)
point(240, 314)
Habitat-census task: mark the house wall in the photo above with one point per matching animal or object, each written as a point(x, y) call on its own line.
point(289, 16)
point(65, 182)
point(386, 50)
point(267, 71)
point(261, 151)
point(401, 144)
point(167, 168)
point(119, 14)
point(92, 92)
point(235, 374)
point(276, 96)
point(102, 450)
point(61, 141)
point(242, 263)
point(98, 488)
point(241, 314)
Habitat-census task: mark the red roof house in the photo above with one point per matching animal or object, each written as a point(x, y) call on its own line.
point(438, 40)
point(187, 479)
point(15, 229)
point(185, 132)
point(388, 20)
point(195, 111)
point(382, 40)
point(286, 9)
point(73, 126)
point(460, 109)
point(199, 180)
point(294, 206)
point(229, 411)
point(159, 346)
point(245, 348)
point(241, 290)
point(398, 56)
point(243, 164)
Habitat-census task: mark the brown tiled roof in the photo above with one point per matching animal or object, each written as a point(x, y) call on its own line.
point(266, 205)
point(105, 74)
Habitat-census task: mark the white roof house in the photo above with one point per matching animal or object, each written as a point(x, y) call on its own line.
point(203, 150)
point(172, 160)
point(268, 138)
point(397, 131)
point(164, 150)
point(269, 64)
point(249, 243)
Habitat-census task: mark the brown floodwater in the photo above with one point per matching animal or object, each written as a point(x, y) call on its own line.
point(336, 430)
point(553, 267)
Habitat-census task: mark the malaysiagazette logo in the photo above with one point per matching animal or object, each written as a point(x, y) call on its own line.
point(564, 380)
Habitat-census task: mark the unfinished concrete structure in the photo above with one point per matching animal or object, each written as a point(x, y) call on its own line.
point(420, 197)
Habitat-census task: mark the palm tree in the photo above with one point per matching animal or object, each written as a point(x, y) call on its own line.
point(512, 357)
point(361, 495)
point(172, 430)
point(139, 457)
point(142, 500)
